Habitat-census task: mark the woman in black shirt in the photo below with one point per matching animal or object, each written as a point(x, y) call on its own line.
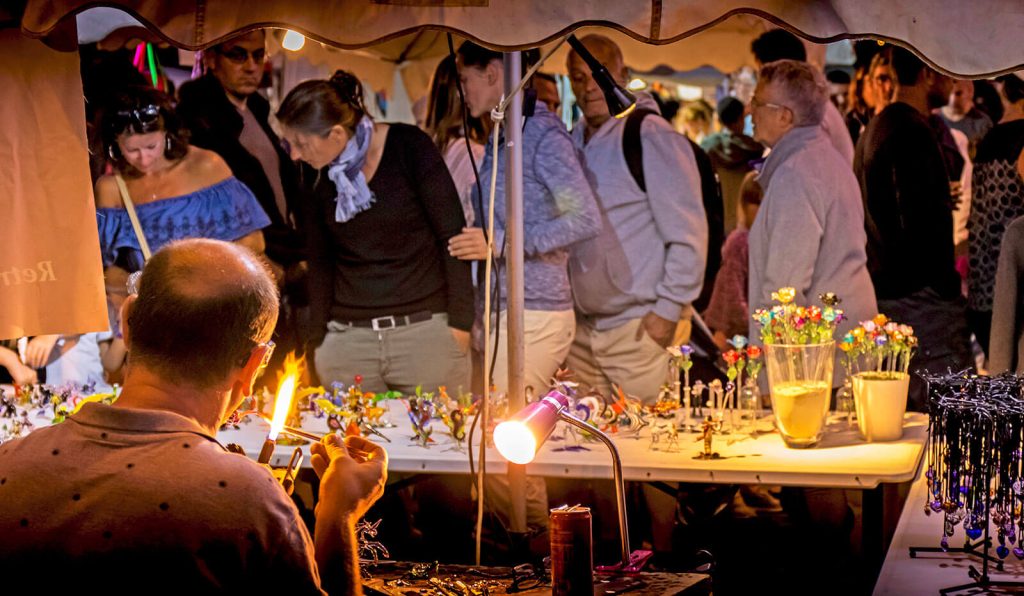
point(387, 300)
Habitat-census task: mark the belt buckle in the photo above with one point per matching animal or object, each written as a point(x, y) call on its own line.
point(376, 323)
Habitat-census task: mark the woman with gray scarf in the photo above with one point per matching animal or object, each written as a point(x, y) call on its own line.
point(387, 301)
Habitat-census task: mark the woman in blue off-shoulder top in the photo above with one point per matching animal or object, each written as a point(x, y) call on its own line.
point(178, 191)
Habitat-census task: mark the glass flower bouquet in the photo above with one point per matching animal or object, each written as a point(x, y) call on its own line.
point(799, 348)
point(877, 357)
point(879, 348)
point(789, 324)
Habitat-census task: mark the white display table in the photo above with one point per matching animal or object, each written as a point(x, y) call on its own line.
point(842, 460)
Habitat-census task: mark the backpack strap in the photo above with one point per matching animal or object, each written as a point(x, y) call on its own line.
point(632, 148)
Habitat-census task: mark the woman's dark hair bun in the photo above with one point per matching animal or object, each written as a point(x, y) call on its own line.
point(349, 88)
point(315, 106)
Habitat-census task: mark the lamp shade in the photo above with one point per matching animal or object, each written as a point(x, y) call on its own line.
point(518, 438)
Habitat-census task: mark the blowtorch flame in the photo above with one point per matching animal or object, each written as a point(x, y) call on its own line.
point(285, 394)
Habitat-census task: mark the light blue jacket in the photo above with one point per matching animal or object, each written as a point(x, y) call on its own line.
point(559, 210)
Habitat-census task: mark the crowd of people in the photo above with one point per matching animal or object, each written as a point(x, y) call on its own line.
point(373, 235)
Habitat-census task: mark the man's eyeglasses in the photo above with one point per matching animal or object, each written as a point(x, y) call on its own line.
point(267, 354)
point(240, 55)
point(144, 116)
point(756, 102)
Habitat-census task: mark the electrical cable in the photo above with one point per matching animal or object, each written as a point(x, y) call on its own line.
point(497, 117)
point(488, 363)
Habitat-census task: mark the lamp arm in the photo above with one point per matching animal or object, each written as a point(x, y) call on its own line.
point(582, 51)
point(620, 489)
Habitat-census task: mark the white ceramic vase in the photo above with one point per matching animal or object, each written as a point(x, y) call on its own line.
point(881, 402)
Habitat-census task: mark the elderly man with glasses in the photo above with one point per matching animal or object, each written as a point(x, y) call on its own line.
point(139, 496)
point(809, 231)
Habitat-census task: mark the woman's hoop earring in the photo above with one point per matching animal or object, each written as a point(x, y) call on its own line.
point(167, 142)
point(110, 152)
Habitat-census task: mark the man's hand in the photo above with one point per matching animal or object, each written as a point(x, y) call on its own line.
point(23, 375)
point(352, 475)
point(659, 329)
point(461, 338)
point(469, 245)
point(37, 354)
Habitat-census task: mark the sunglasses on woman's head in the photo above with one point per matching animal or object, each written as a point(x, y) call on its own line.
point(240, 55)
point(141, 116)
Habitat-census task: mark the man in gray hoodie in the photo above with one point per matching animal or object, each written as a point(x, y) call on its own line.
point(634, 283)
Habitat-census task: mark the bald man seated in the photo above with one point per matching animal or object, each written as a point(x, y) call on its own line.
point(140, 497)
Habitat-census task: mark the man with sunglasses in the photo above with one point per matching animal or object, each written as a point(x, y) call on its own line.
point(225, 113)
point(140, 496)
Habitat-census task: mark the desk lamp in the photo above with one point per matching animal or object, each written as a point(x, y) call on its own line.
point(518, 439)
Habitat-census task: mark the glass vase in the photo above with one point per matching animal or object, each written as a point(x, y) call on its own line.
point(750, 404)
point(845, 403)
point(800, 385)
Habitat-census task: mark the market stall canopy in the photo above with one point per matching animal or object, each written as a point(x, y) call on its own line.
point(967, 38)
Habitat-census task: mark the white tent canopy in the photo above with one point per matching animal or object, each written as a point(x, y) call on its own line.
point(966, 38)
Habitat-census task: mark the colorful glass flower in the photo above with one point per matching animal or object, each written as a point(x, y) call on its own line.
point(784, 295)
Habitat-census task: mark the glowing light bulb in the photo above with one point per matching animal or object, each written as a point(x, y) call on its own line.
point(293, 41)
point(637, 85)
point(515, 442)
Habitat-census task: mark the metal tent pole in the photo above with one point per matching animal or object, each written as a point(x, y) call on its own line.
point(514, 274)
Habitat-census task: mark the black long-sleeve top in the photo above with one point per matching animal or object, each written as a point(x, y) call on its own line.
point(907, 206)
point(391, 259)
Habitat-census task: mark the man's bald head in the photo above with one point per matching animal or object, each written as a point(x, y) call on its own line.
point(606, 52)
point(589, 95)
point(203, 305)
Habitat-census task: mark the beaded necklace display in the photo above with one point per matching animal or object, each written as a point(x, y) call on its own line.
point(974, 467)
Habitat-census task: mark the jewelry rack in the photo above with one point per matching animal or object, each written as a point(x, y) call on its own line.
point(974, 469)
